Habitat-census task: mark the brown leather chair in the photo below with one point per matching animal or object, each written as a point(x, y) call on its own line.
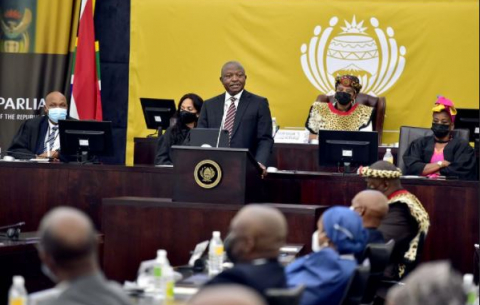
point(378, 103)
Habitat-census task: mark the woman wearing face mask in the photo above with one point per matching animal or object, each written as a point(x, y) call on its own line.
point(441, 154)
point(326, 272)
point(187, 116)
point(344, 113)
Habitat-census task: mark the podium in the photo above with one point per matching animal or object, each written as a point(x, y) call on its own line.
point(216, 175)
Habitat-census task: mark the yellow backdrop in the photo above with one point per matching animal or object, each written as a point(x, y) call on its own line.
point(407, 51)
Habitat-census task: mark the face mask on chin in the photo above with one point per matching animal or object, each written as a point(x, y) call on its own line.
point(343, 98)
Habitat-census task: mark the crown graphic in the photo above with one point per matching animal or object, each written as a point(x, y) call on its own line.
point(375, 58)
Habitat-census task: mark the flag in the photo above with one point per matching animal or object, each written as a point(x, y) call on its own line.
point(86, 103)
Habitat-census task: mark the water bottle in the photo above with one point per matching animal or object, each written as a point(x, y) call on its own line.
point(17, 295)
point(169, 281)
point(470, 289)
point(161, 263)
point(388, 156)
point(215, 254)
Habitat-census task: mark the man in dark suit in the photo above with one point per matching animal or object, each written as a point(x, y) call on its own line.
point(38, 137)
point(257, 233)
point(245, 115)
point(68, 251)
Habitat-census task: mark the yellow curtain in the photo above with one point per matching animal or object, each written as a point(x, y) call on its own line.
point(407, 51)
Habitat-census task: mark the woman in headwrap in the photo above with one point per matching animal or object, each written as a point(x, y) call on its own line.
point(441, 154)
point(343, 113)
point(326, 272)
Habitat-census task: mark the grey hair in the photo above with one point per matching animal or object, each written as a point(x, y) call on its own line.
point(434, 283)
point(232, 63)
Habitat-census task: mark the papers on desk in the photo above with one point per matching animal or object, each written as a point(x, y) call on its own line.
point(40, 160)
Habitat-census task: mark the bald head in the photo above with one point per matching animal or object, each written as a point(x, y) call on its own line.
point(227, 295)
point(263, 229)
point(383, 165)
point(372, 206)
point(67, 237)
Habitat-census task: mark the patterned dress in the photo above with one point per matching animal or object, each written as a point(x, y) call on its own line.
point(324, 116)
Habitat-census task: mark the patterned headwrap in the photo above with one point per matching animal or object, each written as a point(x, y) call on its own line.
point(345, 230)
point(368, 172)
point(444, 104)
point(348, 81)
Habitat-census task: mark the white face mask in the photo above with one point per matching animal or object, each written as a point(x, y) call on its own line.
point(316, 247)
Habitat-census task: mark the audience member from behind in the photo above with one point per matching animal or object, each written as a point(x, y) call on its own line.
point(372, 206)
point(406, 221)
point(36, 136)
point(257, 233)
point(434, 283)
point(187, 116)
point(68, 253)
point(327, 272)
point(227, 295)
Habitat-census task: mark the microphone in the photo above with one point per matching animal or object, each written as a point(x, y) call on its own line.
point(221, 125)
point(13, 231)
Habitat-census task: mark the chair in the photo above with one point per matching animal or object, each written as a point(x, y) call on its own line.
point(409, 134)
point(379, 258)
point(378, 103)
point(289, 296)
point(356, 287)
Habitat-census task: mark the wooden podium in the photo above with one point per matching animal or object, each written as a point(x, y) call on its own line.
point(216, 175)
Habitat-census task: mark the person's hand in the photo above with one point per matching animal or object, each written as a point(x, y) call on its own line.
point(53, 155)
point(445, 163)
point(264, 170)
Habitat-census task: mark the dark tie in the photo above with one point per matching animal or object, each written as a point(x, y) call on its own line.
point(50, 139)
point(230, 116)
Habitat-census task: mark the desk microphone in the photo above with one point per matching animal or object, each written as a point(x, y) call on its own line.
point(13, 231)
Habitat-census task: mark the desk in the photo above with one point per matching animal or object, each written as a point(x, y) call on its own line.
point(452, 205)
point(143, 225)
point(285, 156)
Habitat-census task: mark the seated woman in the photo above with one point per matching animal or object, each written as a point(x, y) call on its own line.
point(441, 154)
point(327, 272)
point(187, 116)
point(344, 113)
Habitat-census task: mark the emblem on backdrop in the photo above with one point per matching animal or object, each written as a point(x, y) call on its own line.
point(207, 174)
point(366, 51)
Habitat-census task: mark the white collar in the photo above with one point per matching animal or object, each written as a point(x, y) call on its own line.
point(236, 96)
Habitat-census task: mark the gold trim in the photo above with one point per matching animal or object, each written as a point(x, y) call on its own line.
point(200, 171)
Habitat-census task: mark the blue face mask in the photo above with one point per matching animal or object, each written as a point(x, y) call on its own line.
point(56, 114)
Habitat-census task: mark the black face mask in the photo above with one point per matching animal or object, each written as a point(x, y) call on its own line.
point(343, 98)
point(187, 117)
point(440, 130)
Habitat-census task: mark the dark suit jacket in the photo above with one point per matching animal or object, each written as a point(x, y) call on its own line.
point(30, 138)
point(252, 127)
point(258, 277)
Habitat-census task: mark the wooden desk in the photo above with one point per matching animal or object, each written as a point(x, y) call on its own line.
point(28, 191)
point(302, 157)
point(135, 228)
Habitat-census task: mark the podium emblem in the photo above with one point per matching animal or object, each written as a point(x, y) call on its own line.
point(207, 174)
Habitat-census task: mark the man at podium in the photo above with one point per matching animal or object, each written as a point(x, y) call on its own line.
point(245, 115)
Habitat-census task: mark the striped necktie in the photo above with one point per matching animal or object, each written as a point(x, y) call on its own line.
point(51, 139)
point(230, 118)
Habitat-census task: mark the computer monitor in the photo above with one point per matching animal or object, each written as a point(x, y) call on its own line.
point(208, 137)
point(85, 140)
point(157, 113)
point(347, 148)
point(468, 119)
